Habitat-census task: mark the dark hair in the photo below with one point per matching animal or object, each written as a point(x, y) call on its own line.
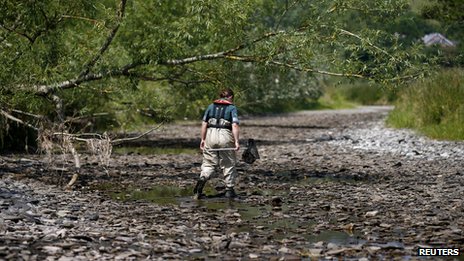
point(226, 93)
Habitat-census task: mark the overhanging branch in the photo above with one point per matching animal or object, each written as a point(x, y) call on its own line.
point(312, 70)
point(109, 39)
point(230, 54)
point(368, 43)
point(291, 66)
point(223, 54)
point(86, 76)
point(119, 141)
point(47, 89)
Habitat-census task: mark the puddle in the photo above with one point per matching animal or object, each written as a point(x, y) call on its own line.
point(160, 195)
point(308, 180)
point(145, 150)
point(336, 237)
point(254, 218)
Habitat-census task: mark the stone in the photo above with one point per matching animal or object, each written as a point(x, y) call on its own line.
point(53, 250)
point(324, 188)
point(253, 256)
point(371, 213)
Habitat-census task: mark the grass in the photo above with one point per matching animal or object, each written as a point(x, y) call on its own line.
point(352, 95)
point(433, 106)
point(334, 98)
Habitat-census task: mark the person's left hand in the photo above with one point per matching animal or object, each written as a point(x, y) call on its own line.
point(237, 145)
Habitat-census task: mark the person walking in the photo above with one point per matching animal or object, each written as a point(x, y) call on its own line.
point(219, 130)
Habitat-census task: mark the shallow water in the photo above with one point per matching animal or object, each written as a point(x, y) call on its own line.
point(161, 195)
point(253, 217)
point(146, 150)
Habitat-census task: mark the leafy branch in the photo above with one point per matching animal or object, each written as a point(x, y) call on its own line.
point(229, 54)
point(109, 39)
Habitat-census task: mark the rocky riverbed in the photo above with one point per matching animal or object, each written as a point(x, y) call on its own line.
point(330, 185)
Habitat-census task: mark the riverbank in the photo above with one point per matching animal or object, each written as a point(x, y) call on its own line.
point(329, 184)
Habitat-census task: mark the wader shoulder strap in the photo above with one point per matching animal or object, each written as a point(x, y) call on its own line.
point(218, 113)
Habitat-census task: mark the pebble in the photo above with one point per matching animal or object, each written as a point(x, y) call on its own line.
point(342, 186)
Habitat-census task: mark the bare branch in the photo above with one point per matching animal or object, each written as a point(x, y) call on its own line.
point(13, 118)
point(27, 114)
point(196, 58)
point(311, 70)
point(119, 141)
point(77, 137)
point(405, 78)
point(73, 180)
point(245, 58)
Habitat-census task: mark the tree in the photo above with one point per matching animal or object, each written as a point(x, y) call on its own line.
point(450, 16)
point(65, 60)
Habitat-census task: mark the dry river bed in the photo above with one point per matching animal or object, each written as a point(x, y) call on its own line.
point(330, 185)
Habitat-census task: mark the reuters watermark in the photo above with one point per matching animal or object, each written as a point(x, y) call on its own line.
point(438, 251)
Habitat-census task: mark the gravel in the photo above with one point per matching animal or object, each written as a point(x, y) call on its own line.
point(335, 185)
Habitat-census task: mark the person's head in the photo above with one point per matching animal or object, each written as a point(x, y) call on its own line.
point(227, 94)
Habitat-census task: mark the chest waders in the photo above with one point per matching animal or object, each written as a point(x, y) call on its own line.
point(217, 120)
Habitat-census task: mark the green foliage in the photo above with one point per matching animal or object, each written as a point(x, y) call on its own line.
point(433, 106)
point(271, 90)
point(349, 96)
point(340, 95)
point(447, 17)
point(116, 63)
point(334, 98)
point(410, 28)
point(450, 11)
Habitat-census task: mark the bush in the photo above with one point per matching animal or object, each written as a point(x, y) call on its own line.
point(366, 94)
point(349, 95)
point(433, 106)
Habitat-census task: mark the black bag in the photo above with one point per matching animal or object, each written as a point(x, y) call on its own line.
point(250, 154)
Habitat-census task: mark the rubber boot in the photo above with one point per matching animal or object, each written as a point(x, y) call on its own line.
point(198, 190)
point(230, 193)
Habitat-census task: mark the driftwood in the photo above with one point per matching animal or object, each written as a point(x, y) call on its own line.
point(77, 164)
point(72, 181)
point(99, 145)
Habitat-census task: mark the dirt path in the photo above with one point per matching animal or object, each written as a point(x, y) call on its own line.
point(329, 184)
